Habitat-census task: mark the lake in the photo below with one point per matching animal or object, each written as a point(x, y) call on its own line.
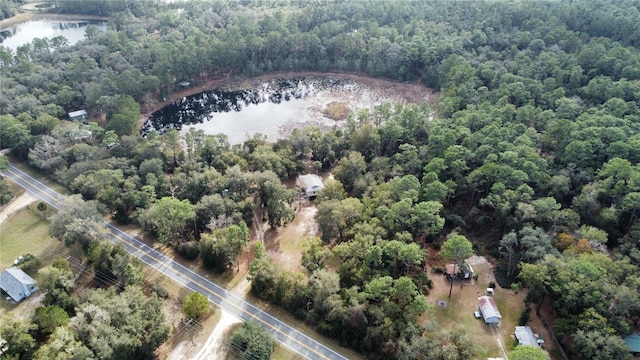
point(273, 108)
point(72, 30)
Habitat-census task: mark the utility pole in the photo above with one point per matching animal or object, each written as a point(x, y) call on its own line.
point(452, 277)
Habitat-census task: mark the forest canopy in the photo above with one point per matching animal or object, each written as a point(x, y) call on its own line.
point(531, 151)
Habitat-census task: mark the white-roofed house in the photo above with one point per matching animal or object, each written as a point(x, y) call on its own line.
point(489, 310)
point(80, 115)
point(310, 184)
point(526, 337)
point(17, 284)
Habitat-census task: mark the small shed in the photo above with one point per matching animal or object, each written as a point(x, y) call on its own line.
point(310, 184)
point(526, 337)
point(79, 134)
point(489, 310)
point(464, 272)
point(17, 284)
point(80, 115)
point(633, 341)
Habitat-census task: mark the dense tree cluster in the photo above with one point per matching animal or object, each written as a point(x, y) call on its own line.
point(195, 305)
point(113, 323)
point(5, 192)
point(8, 8)
point(252, 342)
point(531, 152)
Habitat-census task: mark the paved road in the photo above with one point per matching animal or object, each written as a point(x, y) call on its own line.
point(228, 300)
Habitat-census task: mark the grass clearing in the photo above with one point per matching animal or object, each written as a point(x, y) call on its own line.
point(286, 245)
point(16, 189)
point(25, 232)
point(280, 352)
point(462, 304)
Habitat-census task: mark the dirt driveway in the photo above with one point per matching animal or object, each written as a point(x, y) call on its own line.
point(16, 205)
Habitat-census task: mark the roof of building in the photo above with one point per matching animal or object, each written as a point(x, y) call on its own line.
point(13, 282)
point(525, 336)
point(310, 181)
point(466, 268)
point(488, 307)
point(633, 340)
point(78, 113)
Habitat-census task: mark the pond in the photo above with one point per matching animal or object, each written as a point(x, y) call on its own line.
point(273, 108)
point(72, 30)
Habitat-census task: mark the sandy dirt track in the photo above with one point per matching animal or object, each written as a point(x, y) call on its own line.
point(16, 205)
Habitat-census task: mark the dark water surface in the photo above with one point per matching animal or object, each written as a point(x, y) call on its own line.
point(242, 113)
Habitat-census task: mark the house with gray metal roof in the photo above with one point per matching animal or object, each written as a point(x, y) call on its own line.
point(80, 115)
point(17, 284)
point(489, 310)
point(310, 184)
point(526, 337)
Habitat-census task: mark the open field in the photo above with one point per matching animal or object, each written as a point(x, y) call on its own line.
point(16, 189)
point(27, 233)
point(286, 245)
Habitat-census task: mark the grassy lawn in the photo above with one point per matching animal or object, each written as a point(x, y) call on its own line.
point(282, 353)
point(463, 302)
point(16, 189)
point(286, 244)
point(25, 232)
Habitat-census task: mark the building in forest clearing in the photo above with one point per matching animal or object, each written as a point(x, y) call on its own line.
point(17, 284)
point(465, 271)
point(80, 115)
point(489, 310)
point(309, 185)
point(633, 341)
point(526, 337)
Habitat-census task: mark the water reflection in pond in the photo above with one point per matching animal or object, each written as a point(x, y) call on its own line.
point(24, 33)
point(240, 114)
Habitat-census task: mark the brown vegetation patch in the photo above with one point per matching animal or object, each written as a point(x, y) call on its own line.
point(336, 110)
point(405, 92)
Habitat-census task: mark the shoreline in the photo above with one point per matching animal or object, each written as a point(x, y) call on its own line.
point(418, 94)
point(23, 17)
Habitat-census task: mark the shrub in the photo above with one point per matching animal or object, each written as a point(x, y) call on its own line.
point(189, 250)
point(437, 269)
point(524, 316)
point(159, 289)
point(195, 305)
point(492, 284)
point(252, 341)
point(29, 264)
point(423, 282)
point(516, 287)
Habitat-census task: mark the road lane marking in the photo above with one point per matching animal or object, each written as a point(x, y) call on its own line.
point(223, 299)
point(44, 193)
